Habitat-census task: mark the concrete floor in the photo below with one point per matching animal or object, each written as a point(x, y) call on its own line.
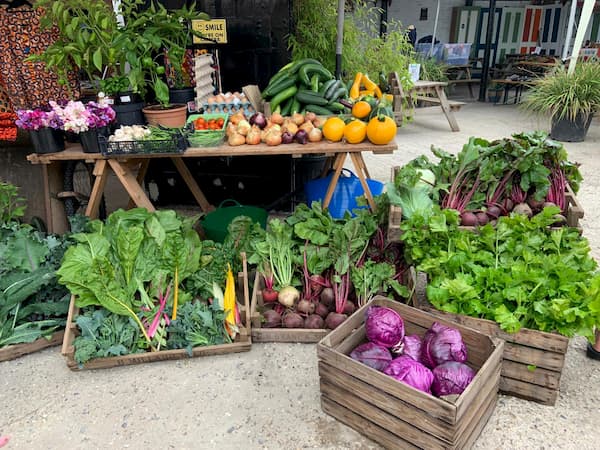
point(268, 398)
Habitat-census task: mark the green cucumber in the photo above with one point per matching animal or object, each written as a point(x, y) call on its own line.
point(339, 93)
point(295, 106)
point(314, 83)
point(310, 97)
point(287, 106)
point(277, 77)
point(283, 95)
point(326, 86)
point(329, 92)
point(320, 110)
point(335, 106)
point(308, 70)
point(279, 86)
point(299, 63)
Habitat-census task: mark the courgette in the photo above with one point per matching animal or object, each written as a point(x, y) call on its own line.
point(279, 86)
point(314, 82)
point(308, 70)
point(287, 106)
point(301, 62)
point(326, 86)
point(335, 106)
point(283, 95)
point(329, 92)
point(339, 93)
point(310, 97)
point(320, 110)
point(277, 77)
point(295, 106)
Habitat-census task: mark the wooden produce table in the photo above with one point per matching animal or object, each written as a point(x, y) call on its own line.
point(461, 74)
point(518, 85)
point(125, 167)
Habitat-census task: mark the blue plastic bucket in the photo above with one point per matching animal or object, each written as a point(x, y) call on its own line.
point(344, 195)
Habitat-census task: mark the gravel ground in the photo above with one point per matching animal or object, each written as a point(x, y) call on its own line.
point(268, 398)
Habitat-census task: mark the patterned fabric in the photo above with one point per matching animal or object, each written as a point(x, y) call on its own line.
point(28, 84)
point(8, 129)
point(5, 105)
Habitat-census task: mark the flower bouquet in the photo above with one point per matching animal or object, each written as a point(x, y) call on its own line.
point(44, 126)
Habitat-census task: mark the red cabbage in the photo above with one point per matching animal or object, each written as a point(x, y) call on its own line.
point(411, 372)
point(411, 346)
point(384, 326)
point(373, 355)
point(451, 378)
point(441, 344)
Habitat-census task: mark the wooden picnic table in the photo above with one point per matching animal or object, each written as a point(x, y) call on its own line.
point(518, 85)
point(130, 170)
point(424, 91)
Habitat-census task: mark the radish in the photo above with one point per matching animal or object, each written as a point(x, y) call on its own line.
point(334, 320)
point(272, 319)
point(269, 295)
point(314, 322)
point(468, 219)
point(293, 320)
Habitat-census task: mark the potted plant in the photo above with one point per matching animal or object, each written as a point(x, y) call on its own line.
point(91, 38)
point(569, 100)
point(494, 92)
point(44, 127)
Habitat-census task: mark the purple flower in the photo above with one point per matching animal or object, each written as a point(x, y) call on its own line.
point(34, 119)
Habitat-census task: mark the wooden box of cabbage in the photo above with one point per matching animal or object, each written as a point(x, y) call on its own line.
point(261, 334)
point(242, 343)
point(573, 214)
point(532, 360)
point(396, 415)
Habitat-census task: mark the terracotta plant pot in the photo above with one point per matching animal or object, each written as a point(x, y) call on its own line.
point(174, 116)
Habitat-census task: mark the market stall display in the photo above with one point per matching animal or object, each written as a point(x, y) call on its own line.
point(342, 264)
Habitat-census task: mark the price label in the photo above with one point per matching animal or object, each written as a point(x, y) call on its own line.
point(213, 31)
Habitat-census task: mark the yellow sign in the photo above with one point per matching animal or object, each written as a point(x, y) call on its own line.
point(213, 31)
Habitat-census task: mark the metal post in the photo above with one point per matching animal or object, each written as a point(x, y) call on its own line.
point(435, 24)
point(584, 21)
point(567, 46)
point(384, 19)
point(488, 50)
point(340, 39)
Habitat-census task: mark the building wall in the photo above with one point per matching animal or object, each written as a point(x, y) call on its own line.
point(410, 15)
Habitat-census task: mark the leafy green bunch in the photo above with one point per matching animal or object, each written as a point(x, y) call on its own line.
point(520, 273)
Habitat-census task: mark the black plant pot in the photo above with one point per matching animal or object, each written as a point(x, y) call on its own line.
point(182, 95)
point(567, 130)
point(47, 140)
point(89, 139)
point(129, 113)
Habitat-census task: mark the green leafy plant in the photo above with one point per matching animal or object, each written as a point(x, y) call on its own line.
point(364, 50)
point(561, 95)
point(521, 273)
point(12, 207)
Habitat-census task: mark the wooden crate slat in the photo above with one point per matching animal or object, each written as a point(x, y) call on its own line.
point(528, 391)
point(533, 356)
point(574, 208)
point(369, 412)
point(539, 376)
point(468, 439)
point(17, 350)
point(436, 407)
point(260, 334)
point(366, 427)
point(386, 402)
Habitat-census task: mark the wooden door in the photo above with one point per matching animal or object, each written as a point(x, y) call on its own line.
point(511, 30)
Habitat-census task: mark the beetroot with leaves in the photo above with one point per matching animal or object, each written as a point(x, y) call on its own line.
point(384, 326)
point(451, 378)
point(411, 372)
point(372, 355)
point(441, 344)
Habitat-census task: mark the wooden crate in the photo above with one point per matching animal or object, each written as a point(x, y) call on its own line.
point(242, 343)
point(260, 334)
point(17, 350)
point(532, 360)
point(573, 214)
point(394, 414)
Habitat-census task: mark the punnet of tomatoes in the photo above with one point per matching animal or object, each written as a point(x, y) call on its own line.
point(206, 130)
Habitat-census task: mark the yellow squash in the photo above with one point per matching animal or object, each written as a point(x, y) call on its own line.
point(381, 130)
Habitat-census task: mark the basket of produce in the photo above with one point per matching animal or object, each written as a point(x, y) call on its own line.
point(407, 379)
point(206, 130)
point(169, 295)
point(132, 139)
point(488, 180)
point(338, 263)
